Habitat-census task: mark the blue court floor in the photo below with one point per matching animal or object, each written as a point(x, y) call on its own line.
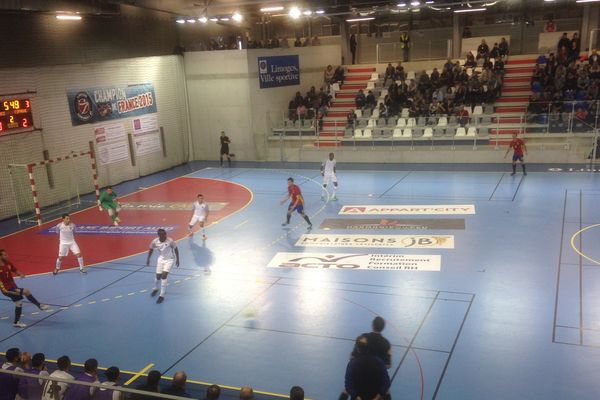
point(512, 313)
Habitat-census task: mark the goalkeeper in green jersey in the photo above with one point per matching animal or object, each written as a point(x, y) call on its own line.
point(108, 201)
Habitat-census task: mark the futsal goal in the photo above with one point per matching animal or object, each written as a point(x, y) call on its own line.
point(47, 188)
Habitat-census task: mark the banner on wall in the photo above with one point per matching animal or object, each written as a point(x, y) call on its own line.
point(91, 105)
point(278, 71)
point(111, 153)
point(109, 133)
point(147, 144)
point(144, 124)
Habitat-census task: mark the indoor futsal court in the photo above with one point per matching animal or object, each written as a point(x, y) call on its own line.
point(497, 296)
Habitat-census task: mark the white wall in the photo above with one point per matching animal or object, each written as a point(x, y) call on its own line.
point(224, 94)
point(59, 137)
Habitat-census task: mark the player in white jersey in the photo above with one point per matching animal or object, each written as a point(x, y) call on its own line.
point(168, 254)
point(328, 172)
point(66, 232)
point(199, 215)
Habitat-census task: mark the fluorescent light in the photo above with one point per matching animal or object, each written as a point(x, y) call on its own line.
point(213, 19)
point(464, 10)
point(320, 12)
point(360, 19)
point(237, 17)
point(180, 21)
point(203, 19)
point(191, 21)
point(69, 17)
point(401, 4)
point(295, 12)
point(587, 1)
point(225, 19)
point(431, 2)
point(307, 12)
point(270, 9)
point(415, 3)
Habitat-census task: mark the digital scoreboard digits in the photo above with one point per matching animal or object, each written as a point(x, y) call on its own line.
point(15, 115)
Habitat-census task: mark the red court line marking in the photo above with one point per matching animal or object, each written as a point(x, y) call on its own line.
point(35, 253)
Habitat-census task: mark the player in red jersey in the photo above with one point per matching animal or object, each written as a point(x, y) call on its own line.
point(9, 288)
point(296, 204)
point(519, 150)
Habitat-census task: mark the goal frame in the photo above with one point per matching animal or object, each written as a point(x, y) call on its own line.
point(34, 195)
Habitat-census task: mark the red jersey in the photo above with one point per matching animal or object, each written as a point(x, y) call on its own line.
point(517, 145)
point(295, 194)
point(6, 276)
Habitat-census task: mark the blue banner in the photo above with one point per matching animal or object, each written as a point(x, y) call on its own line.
point(88, 106)
point(278, 71)
point(121, 230)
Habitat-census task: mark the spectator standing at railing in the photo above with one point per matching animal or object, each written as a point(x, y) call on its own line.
point(405, 45)
point(151, 385)
point(564, 44)
point(353, 44)
point(503, 48)
point(31, 388)
point(112, 378)
point(177, 387)
point(9, 384)
point(213, 392)
point(90, 375)
point(366, 376)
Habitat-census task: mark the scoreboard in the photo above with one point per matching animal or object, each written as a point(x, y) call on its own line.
point(15, 115)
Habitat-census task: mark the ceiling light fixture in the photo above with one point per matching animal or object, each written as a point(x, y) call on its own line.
point(68, 17)
point(415, 3)
point(587, 1)
point(360, 19)
point(307, 12)
point(224, 19)
point(271, 9)
point(295, 12)
point(180, 21)
point(237, 17)
point(203, 19)
point(464, 10)
point(401, 4)
point(214, 19)
point(320, 12)
point(191, 21)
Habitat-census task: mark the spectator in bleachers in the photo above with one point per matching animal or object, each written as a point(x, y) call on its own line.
point(112, 378)
point(311, 95)
point(564, 44)
point(366, 376)
point(151, 385)
point(495, 51)
point(360, 100)
point(575, 46)
point(296, 393)
point(483, 50)
point(339, 75)
point(503, 48)
point(390, 73)
point(400, 73)
point(370, 100)
point(177, 387)
point(499, 67)
point(351, 119)
point(213, 392)
point(302, 111)
point(462, 116)
point(435, 77)
point(405, 45)
point(550, 26)
point(470, 63)
point(9, 384)
point(316, 41)
point(383, 111)
point(466, 33)
point(49, 392)
point(594, 57)
point(31, 388)
point(297, 42)
point(90, 375)
point(246, 393)
point(328, 75)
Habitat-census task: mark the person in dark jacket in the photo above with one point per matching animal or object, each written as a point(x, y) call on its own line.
point(366, 375)
point(177, 387)
point(151, 385)
point(353, 44)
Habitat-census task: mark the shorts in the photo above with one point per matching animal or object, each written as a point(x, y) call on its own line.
point(224, 151)
point(327, 178)
point(16, 297)
point(517, 157)
point(111, 206)
point(197, 218)
point(164, 265)
point(299, 208)
point(63, 249)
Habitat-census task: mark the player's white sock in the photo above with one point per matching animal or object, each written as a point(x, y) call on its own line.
point(163, 287)
point(156, 283)
point(58, 263)
point(203, 231)
point(80, 262)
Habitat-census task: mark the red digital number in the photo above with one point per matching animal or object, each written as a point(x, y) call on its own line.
point(1, 126)
point(27, 104)
point(25, 123)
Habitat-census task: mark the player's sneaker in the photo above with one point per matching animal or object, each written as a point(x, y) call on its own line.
point(19, 325)
point(524, 173)
point(115, 223)
point(513, 174)
point(204, 237)
point(284, 223)
point(333, 197)
point(83, 270)
point(55, 271)
point(154, 292)
point(160, 299)
point(118, 219)
point(309, 227)
point(43, 307)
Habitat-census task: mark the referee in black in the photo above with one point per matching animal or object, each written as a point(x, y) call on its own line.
point(225, 148)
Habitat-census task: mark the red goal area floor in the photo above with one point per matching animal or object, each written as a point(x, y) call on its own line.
point(166, 205)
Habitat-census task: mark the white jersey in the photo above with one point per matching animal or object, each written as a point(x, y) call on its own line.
point(66, 232)
point(166, 249)
point(200, 209)
point(328, 167)
point(47, 393)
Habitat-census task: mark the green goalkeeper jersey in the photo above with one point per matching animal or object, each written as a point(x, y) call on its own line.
point(108, 200)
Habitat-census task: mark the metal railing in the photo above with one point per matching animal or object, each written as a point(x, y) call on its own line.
point(422, 51)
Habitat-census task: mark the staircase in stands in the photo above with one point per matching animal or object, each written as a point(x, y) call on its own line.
point(334, 124)
point(512, 104)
